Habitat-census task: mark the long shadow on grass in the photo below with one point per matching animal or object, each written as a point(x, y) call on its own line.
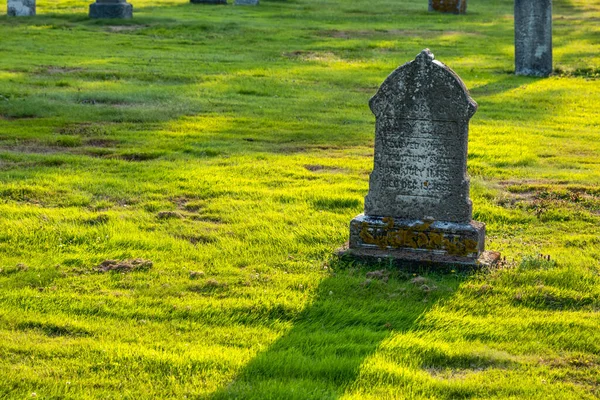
point(322, 353)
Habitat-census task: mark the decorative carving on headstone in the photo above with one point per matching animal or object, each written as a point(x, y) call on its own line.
point(448, 6)
point(111, 9)
point(20, 8)
point(533, 37)
point(418, 207)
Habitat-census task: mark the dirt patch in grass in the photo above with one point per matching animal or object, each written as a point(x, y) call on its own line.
point(210, 285)
point(99, 152)
point(139, 156)
point(31, 147)
point(324, 168)
point(197, 274)
point(169, 215)
point(540, 197)
point(312, 55)
point(287, 149)
point(54, 69)
point(213, 219)
point(197, 239)
point(17, 117)
point(588, 73)
point(389, 33)
point(137, 264)
point(577, 361)
point(101, 142)
point(118, 103)
point(338, 34)
point(124, 28)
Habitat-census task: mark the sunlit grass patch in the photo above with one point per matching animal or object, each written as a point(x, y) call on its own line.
point(230, 147)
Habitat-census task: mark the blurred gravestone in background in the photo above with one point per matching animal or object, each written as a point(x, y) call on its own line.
point(448, 6)
point(533, 37)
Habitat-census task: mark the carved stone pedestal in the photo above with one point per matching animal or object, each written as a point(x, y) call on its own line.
point(418, 242)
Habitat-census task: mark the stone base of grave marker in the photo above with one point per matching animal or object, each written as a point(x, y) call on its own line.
point(418, 242)
point(208, 1)
point(448, 6)
point(111, 9)
point(21, 8)
point(246, 2)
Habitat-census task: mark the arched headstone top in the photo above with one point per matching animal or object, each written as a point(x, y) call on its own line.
point(424, 89)
point(422, 113)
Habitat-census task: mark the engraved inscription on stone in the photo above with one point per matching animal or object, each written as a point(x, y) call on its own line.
point(416, 160)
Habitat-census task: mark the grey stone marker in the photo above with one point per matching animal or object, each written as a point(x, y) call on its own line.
point(111, 9)
point(448, 6)
point(533, 37)
point(20, 8)
point(418, 209)
point(246, 2)
point(208, 1)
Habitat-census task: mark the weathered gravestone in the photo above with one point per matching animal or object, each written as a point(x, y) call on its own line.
point(418, 208)
point(111, 9)
point(533, 37)
point(20, 8)
point(246, 2)
point(448, 6)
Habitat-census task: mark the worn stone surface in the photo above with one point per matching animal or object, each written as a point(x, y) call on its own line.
point(208, 1)
point(422, 115)
point(460, 242)
point(418, 205)
point(111, 9)
point(20, 8)
point(246, 2)
point(533, 37)
point(416, 261)
point(448, 6)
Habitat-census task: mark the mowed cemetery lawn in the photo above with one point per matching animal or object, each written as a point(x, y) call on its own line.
point(227, 148)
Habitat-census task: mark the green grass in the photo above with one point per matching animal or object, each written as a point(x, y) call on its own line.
point(231, 146)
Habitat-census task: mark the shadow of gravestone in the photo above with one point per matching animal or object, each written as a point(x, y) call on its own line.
point(353, 312)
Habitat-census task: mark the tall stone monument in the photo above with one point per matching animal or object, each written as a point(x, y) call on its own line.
point(20, 8)
point(208, 1)
point(448, 6)
point(418, 208)
point(111, 9)
point(533, 37)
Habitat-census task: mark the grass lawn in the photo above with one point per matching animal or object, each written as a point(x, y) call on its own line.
point(231, 147)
